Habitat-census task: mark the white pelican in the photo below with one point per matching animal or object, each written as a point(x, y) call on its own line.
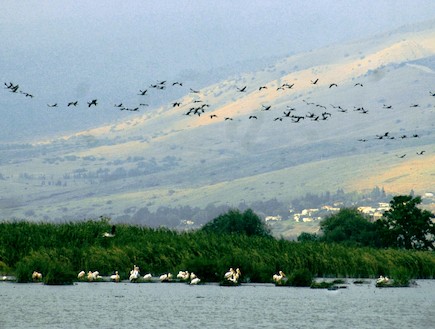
point(147, 276)
point(183, 275)
point(111, 234)
point(278, 277)
point(165, 277)
point(229, 274)
point(192, 276)
point(93, 275)
point(382, 279)
point(195, 281)
point(134, 273)
point(81, 275)
point(36, 276)
point(115, 277)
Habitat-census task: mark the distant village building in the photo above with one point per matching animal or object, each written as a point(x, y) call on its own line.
point(273, 218)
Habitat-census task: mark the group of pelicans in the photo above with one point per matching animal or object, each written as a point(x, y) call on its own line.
point(231, 277)
point(135, 276)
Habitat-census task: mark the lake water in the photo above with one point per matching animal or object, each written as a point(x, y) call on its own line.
point(160, 305)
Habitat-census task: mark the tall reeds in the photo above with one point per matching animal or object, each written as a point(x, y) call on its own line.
point(26, 247)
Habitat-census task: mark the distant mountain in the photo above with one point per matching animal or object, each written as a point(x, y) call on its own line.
point(350, 116)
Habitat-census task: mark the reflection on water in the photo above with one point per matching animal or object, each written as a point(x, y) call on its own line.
point(116, 305)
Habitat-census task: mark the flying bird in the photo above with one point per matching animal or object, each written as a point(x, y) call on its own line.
point(93, 102)
point(421, 152)
point(243, 89)
point(358, 84)
point(315, 81)
point(142, 92)
point(52, 105)
point(72, 103)
point(332, 85)
point(401, 156)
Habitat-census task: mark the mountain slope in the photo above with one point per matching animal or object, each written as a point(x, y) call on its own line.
point(347, 116)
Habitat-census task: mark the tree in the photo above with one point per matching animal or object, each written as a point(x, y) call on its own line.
point(308, 237)
point(234, 221)
point(349, 226)
point(407, 226)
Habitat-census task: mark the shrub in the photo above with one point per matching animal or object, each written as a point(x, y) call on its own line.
point(300, 278)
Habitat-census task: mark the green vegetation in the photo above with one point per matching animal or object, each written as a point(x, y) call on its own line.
point(351, 227)
point(239, 223)
point(407, 226)
point(403, 226)
point(60, 251)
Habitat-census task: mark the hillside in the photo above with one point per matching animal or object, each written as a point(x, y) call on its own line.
point(349, 116)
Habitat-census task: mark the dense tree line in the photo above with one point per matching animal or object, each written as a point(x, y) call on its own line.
point(405, 225)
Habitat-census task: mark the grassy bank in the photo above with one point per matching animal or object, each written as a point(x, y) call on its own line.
point(62, 250)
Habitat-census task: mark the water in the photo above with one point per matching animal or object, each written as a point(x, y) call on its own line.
point(158, 305)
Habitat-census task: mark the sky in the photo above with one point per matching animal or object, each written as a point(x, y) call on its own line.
point(62, 50)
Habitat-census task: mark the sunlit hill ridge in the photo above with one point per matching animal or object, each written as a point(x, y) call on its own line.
point(349, 116)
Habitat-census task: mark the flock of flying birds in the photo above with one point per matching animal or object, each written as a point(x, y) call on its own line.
point(198, 107)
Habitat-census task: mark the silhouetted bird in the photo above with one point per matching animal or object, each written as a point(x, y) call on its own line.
point(227, 118)
point(401, 156)
point(315, 81)
point(243, 89)
point(177, 83)
point(421, 152)
point(213, 116)
point(414, 105)
point(176, 104)
point(332, 85)
point(262, 87)
point(72, 103)
point(358, 84)
point(93, 102)
point(119, 105)
point(252, 117)
point(52, 105)
point(296, 119)
point(194, 91)
point(142, 92)
point(266, 108)
point(26, 94)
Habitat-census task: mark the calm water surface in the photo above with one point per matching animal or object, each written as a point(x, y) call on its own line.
point(158, 305)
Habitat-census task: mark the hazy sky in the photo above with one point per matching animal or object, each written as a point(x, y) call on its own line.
point(64, 49)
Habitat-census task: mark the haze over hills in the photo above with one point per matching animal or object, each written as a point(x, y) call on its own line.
point(350, 116)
